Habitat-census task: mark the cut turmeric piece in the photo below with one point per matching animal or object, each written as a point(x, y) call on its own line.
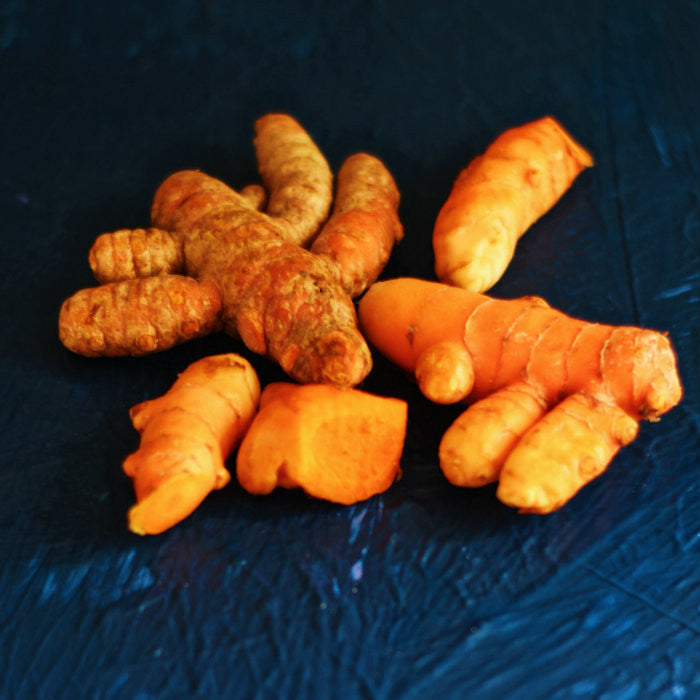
point(338, 444)
point(186, 436)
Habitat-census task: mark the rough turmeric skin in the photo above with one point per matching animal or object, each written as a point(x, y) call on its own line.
point(296, 175)
point(131, 253)
point(552, 398)
point(338, 444)
point(498, 196)
point(364, 225)
point(280, 299)
point(186, 436)
point(139, 316)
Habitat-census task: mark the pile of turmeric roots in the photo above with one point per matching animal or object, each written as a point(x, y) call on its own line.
point(281, 265)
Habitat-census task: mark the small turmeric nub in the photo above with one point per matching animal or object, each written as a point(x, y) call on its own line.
point(341, 445)
point(186, 436)
point(498, 196)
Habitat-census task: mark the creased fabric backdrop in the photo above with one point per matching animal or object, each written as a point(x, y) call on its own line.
point(426, 591)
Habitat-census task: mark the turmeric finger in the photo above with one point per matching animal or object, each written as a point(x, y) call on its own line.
point(130, 253)
point(364, 224)
point(139, 316)
point(498, 196)
point(341, 445)
point(567, 448)
point(473, 449)
point(186, 436)
point(295, 173)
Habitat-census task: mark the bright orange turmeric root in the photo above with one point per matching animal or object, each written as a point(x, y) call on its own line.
point(365, 224)
point(552, 398)
point(186, 436)
point(341, 445)
point(498, 196)
point(255, 281)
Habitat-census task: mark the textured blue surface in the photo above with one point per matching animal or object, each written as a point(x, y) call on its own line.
point(427, 591)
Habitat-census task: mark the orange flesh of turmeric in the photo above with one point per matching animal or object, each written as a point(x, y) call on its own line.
point(535, 370)
point(340, 445)
point(186, 436)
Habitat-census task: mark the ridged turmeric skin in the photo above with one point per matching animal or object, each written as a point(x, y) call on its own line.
point(498, 196)
point(186, 436)
point(248, 271)
point(337, 444)
point(552, 398)
point(364, 226)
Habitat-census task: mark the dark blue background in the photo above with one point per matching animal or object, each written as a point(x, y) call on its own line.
point(427, 591)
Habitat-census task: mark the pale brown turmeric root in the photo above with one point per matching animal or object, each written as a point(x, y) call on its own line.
point(295, 174)
point(341, 445)
point(280, 299)
point(498, 196)
point(552, 398)
point(257, 283)
point(186, 436)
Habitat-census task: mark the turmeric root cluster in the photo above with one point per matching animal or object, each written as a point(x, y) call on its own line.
point(552, 398)
point(213, 260)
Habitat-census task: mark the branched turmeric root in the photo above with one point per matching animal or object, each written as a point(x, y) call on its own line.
point(552, 398)
point(249, 273)
point(341, 445)
point(498, 196)
point(186, 436)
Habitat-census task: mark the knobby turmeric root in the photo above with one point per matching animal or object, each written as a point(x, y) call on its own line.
point(552, 398)
point(498, 196)
point(245, 270)
point(338, 444)
point(186, 436)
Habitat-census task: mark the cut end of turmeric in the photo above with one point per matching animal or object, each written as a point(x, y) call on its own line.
point(340, 445)
point(172, 501)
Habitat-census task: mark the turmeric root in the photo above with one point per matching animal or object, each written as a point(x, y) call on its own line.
point(498, 196)
point(186, 436)
point(128, 254)
point(341, 445)
point(552, 398)
point(280, 299)
point(161, 312)
point(295, 174)
point(365, 224)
